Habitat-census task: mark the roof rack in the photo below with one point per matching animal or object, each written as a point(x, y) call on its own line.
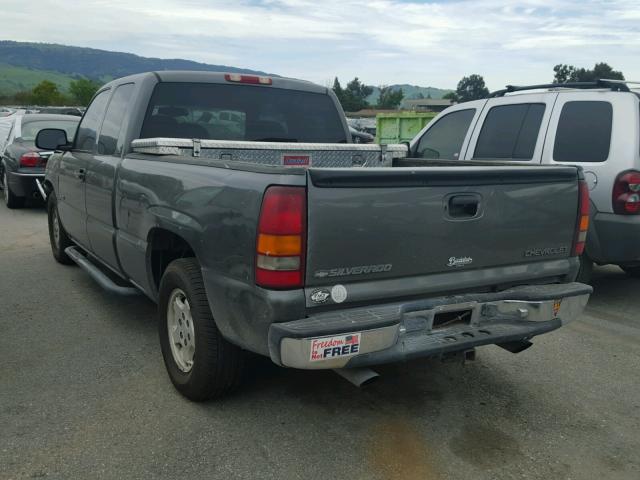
point(613, 85)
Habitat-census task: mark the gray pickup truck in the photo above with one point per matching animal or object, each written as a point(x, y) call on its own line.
point(238, 204)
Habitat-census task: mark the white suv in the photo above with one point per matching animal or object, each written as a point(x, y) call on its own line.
point(592, 124)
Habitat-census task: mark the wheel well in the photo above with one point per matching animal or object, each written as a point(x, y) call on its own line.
point(164, 248)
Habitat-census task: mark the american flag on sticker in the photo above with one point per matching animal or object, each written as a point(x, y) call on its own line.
point(351, 339)
point(290, 160)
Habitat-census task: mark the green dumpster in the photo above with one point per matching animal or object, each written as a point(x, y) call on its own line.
point(401, 126)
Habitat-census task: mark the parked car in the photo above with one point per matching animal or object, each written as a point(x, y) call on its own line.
point(360, 137)
point(6, 111)
point(594, 125)
point(75, 111)
point(21, 163)
point(254, 245)
point(5, 127)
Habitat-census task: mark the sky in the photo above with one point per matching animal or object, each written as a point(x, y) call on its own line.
point(426, 43)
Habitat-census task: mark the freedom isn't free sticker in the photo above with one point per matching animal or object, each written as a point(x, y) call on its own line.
point(335, 347)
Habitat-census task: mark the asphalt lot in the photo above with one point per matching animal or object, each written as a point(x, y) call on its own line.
point(84, 394)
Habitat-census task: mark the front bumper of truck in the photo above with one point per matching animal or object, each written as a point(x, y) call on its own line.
point(433, 327)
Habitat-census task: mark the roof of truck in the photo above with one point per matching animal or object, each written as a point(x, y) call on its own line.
point(219, 77)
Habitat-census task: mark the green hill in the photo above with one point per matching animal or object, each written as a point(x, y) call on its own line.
point(25, 64)
point(94, 63)
point(15, 79)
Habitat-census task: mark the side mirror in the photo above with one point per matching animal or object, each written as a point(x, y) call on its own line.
point(408, 145)
point(52, 139)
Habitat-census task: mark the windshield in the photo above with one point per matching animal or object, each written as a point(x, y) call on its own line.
point(30, 129)
point(241, 112)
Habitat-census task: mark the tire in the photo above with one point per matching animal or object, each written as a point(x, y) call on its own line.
point(216, 367)
point(57, 235)
point(632, 271)
point(11, 200)
point(586, 269)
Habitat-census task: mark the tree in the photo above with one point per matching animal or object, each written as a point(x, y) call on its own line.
point(390, 97)
point(569, 73)
point(46, 93)
point(354, 96)
point(562, 73)
point(453, 96)
point(471, 88)
point(83, 90)
point(337, 89)
point(23, 97)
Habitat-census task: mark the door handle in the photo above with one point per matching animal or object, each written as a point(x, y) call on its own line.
point(81, 174)
point(464, 206)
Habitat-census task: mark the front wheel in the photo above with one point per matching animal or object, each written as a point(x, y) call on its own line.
point(57, 234)
point(11, 200)
point(201, 364)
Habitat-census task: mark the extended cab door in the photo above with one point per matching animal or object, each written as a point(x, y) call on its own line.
point(446, 137)
point(101, 176)
point(73, 171)
point(512, 128)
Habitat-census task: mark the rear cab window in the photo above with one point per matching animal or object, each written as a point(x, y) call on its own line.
point(444, 139)
point(510, 132)
point(584, 132)
point(241, 112)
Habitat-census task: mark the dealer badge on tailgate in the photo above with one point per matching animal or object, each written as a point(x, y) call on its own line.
point(339, 346)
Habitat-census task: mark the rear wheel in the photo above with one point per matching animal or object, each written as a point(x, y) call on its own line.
point(11, 200)
point(586, 269)
point(632, 271)
point(201, 364)
point(57, 235)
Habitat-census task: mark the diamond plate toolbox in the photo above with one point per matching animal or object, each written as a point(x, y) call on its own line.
point(319, 155)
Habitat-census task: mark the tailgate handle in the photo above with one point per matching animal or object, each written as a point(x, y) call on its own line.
point(464, 206)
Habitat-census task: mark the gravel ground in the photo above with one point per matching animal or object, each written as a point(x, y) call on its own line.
point(84, 394)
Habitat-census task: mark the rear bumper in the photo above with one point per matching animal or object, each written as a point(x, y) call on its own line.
point(615, 240)
point(23, 184)
point(400, 331)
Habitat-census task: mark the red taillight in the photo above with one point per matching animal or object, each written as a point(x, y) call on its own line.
point(252, 79)
point(582, 225)
point(626, 193)
point(31, 159)
point(280, 245)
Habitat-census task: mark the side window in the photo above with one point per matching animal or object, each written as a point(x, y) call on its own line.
point(510, 131)
point(444, 139)
point(86, 136)
point(584, 132)
point(116, 111)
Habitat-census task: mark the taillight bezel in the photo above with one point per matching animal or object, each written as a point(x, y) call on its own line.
point(270, 267)
point(582, 222)
point(31, 159)
point(625, 195)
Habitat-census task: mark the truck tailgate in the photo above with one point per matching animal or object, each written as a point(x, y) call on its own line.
point(377, 224)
